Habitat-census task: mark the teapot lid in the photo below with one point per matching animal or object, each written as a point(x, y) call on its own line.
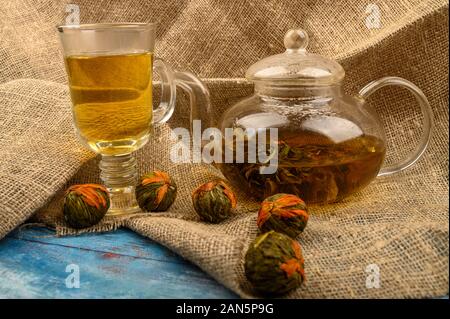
point(296, 66)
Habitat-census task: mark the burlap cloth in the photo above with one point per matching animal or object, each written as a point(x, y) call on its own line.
point(399, 223)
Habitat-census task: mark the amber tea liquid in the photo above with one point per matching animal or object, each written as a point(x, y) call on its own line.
point(112, 100)
point(314, 168)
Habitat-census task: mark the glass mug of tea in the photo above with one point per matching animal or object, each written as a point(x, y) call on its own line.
point(110, 68)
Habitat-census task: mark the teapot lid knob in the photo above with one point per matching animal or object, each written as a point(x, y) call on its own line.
point(296, 66)
point(296, 39)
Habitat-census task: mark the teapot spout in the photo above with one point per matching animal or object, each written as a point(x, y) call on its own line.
point(199, 97)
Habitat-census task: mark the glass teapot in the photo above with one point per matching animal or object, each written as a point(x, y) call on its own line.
point(326, 144)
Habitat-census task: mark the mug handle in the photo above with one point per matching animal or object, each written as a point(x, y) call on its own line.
point(198, 94)
point(373, 86)
point(168, 92)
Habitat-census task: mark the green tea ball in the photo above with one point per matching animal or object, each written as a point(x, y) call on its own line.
point(284, 213)
point(274, 264)
point(85, 205)
point(156, 192)
point(214, 201)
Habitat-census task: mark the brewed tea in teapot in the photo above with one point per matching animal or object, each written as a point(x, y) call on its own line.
point(329, 145)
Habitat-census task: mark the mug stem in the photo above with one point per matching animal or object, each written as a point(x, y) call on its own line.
point(119, 175)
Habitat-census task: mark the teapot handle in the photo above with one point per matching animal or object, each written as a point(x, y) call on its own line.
point(427, 121)
point(198, 94)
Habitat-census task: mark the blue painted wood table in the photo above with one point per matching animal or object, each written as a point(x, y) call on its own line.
point(120, 264)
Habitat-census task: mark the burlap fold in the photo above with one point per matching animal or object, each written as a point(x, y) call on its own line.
point(398, 223)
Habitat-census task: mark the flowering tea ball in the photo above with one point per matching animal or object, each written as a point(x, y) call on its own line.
point(214, 201)
point(284, 213)
point(274, 264)
point(85, 205)
point(156, 192)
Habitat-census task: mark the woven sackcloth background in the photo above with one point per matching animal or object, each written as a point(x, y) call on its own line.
point(399, 223)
